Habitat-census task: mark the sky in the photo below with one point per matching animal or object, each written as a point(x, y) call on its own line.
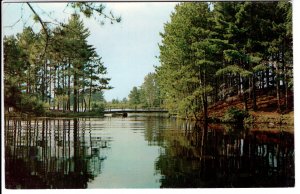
point(128, 49)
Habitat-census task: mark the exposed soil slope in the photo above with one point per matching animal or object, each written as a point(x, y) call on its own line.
point(267, 109)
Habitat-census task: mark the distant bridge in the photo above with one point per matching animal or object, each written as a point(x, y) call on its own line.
point(124, 111)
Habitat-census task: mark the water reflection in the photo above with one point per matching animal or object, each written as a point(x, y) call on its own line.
point(146, 152)
point(51, 153)
point(154, 127)
point(225, 156)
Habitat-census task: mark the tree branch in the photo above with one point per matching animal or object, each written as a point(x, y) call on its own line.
point(43, 26)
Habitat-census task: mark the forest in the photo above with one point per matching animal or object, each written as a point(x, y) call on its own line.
point(56, 67)
point(210, 52)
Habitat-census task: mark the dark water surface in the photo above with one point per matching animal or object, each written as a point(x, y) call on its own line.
point(143, 152)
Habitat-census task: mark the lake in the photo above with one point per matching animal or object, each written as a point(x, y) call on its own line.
point(144, 151)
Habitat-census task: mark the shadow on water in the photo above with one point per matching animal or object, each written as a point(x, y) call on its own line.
point(51, 153)
point(196, 156)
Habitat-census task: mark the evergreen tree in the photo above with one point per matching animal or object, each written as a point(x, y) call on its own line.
point(69, 68)
point(134, 96)
point(150, 90)
point(210, 52)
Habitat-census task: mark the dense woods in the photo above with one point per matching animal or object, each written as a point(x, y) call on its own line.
point(62, 75)
point(214, 51)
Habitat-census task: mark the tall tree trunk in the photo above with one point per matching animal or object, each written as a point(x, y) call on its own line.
point(286, 88)
point(82, 103)
point(43, 87)
point(274, 74)
point(69, 88)
point(262, 81)
point(78, 97)
point(84, 107)
point(56, 80)
point(64, 87)
point(254, 93)
point(216, 90)
point(277, 87)
point(267, 78)
point(285, 82)
point(28, 82)
point(50, 88)
point(90, 97)
point(83, 94)
point(46, 82)
point(244, 95)
point(205, 106)
point(75, 93)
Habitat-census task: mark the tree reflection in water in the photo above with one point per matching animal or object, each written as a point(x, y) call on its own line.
point(51, 153)
point(69, 153)
point(225, 156)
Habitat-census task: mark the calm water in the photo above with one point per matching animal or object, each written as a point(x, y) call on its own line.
point(143, 152)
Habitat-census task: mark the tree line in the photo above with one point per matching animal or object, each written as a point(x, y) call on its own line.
point(145, 96)
point(212, 51)
point(54, 68)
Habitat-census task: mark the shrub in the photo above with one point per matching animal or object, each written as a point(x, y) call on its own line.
point(234, 115)
point(249, 120)
point(98, 107)
point(31, 104)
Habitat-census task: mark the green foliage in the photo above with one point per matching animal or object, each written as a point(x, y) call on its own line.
point(98, 107)
point(36, 18)
point(235, 70)
point(234, 115)
point(232, 55)
point(148, 95)
point(255, 59)
point(260, 67)
point(117, 104)
point(186, 60)
point(91, 9)
point(68, 73)
point(249, 120)
point(134, 96)
point(231, 49)
point(32, 105)
point(150, 91)
point(98, 97)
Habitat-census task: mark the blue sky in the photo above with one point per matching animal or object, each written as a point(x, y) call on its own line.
point(128, 49)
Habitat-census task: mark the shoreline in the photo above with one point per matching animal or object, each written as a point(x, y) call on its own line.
point(259, 117)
